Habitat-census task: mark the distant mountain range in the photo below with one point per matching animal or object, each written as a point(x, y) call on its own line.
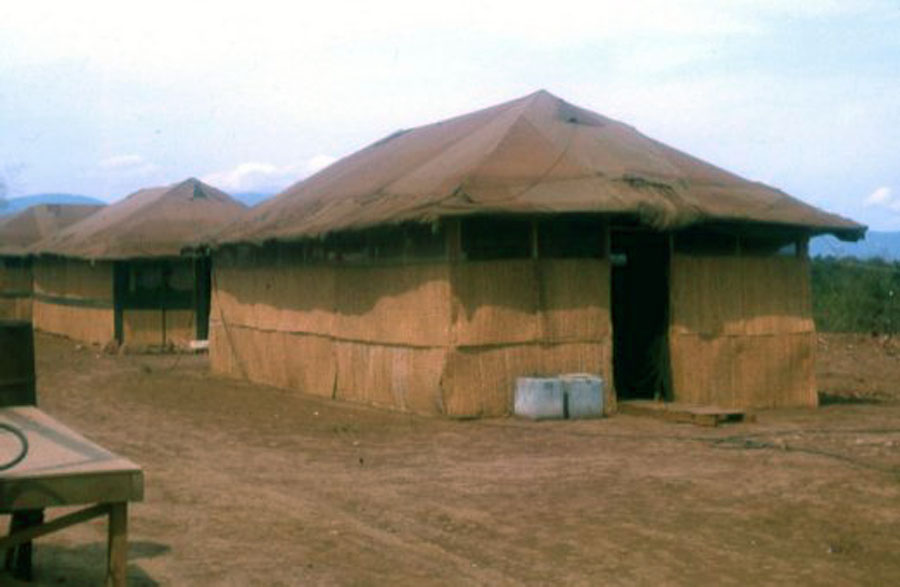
point(252, 198)
point(885, 245)
point(14, 205)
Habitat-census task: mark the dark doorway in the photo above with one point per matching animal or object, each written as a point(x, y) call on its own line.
point(640, 314)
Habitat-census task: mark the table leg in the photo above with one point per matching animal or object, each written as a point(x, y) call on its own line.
point(117, 545)
point(19, 558)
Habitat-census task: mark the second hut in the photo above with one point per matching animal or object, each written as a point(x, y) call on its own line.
point(18, 233)
point(119, 276)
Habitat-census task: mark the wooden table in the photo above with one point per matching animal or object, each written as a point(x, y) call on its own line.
point(63, 468)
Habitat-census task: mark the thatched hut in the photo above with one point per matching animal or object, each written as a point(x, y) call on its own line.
point(428, 270)
point(20, 231)
point(119, 275)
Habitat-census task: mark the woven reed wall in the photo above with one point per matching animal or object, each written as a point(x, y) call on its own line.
point(17, 308)
point(145, 327)
point(524, 317)
point(742, 333)
point(74, 298)
point(376, 335)
point(427, 338)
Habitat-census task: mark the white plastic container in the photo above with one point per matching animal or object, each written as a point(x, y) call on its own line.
point(540, 398)
point(584, 395)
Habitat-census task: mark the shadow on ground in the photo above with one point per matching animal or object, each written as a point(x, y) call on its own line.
point(85, 565)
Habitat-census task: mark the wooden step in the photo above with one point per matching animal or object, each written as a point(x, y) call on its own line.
point(677, 412)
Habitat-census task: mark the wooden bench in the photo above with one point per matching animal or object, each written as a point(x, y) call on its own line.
point(60, 469)
point(63, 468)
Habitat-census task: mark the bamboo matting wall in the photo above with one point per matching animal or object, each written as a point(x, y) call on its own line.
point(15, 290)
point(520, 318)
point(74, 298)
point(427, 338)
point(141, 328)
point(742, 333)
point(369, 334)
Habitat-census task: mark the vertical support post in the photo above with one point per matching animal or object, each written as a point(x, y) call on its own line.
point(540, 297)
point(610, 406)
point(803, 247)
point(453, 250)
point(195, 294)
point(453, 242)
point(740, 290)
point(117, 545)
point(606, 239)
point(19, 558)
point(802, 252)
point(668, 391)
point(121, 276)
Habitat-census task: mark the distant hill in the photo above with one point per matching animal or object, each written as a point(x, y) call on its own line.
point(252, 198)
point(885, 245)
point(13, 205)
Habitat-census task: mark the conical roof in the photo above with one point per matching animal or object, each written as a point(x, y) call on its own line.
point(535, 155)
point(21, 230)
point(154, 222)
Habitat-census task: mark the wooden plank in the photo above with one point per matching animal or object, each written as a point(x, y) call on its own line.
point(18, 558)
point(62, 467)
point(28, 534)
point(710, 416)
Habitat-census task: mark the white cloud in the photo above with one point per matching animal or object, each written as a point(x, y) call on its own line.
point(882, 196)
point(265, 177)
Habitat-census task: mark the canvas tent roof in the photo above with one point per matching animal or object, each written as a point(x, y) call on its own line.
point(21, 230)
point(154, 222)
point(535, 155)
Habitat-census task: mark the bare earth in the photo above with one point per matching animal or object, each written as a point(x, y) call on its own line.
point(250, 485)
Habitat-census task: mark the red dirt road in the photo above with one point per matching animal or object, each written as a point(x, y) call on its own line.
point(249, 485)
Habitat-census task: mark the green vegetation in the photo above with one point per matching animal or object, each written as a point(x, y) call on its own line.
point(850, 295)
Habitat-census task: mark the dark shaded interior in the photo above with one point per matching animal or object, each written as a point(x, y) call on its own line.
point(162, 284)
point(640, 314)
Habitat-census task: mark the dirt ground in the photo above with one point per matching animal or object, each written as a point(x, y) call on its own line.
point(250, 485)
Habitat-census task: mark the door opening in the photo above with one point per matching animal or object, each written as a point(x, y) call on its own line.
point(640, 315)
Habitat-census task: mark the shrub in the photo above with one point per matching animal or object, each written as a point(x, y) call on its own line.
point(852, 295)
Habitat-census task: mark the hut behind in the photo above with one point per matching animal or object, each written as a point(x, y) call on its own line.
point(20, 231)
point(119, 275)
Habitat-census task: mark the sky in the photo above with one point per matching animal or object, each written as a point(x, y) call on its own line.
point(104, 98)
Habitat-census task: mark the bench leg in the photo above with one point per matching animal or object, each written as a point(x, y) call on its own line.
point(117, 545)
point(19, 558)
